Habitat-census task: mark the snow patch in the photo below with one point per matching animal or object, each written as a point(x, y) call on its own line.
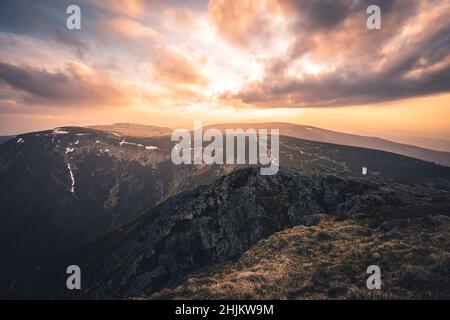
point(138, 145)
point(77, 142)
point(82, 134)
point(131, 143)
point(58, 131)
point(20, 140)
point(97, 141)
point(72, 178)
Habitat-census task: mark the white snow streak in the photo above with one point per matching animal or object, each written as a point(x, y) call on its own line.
point(58, 131)
point(138, 145)
point(72, 188)
point(131, 143)
point(72, 178)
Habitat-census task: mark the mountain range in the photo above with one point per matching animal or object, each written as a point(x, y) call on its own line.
point(195, 237)
point(322, 135)
point(428, 149)
point(116, 205)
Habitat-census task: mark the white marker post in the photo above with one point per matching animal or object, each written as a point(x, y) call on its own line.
point(364, 171)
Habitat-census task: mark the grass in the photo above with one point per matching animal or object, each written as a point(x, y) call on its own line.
point(329, 261)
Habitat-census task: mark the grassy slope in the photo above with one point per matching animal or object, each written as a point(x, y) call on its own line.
point(328, 260)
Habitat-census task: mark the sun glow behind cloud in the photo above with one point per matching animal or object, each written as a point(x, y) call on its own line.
point(172, 62)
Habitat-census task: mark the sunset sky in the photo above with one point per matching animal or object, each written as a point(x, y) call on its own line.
point(172, 62)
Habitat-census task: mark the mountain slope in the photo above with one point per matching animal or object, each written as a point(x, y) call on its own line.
point(311, 156)
point(423, 142)
point(66, 186)
point(413, 147)
point(214, 224)
point(328, 136)
point(134, 129)
point(5, 138)
point(328, 260)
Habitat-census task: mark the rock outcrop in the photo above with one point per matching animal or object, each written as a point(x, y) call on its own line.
point(213, 224)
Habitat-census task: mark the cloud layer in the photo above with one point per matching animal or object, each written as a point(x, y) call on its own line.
point(76, 85)
point(332, 59)
point(222, 53)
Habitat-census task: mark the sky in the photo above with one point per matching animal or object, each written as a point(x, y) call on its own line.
point(170, 62)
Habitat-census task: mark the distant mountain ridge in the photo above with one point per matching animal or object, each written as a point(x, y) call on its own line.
point(134, 129)
point(65, 186)
point(436, 144)
point(303, 132)
point(322, 135)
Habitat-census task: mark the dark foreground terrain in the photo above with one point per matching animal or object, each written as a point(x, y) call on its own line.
point(328, 260)
point(286, 236)
point(139, 226)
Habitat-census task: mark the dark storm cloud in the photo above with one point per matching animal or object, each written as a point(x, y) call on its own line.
point(75, 85)
point(319, 14)
point(409, 57)
point(341, 88)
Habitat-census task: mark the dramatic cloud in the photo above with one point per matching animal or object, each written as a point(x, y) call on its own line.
point(333, 60)
point(245, 23)
point(172, 67)
point(130, 8)
point(221, 56)
point(75, 85)
point(131, 29)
